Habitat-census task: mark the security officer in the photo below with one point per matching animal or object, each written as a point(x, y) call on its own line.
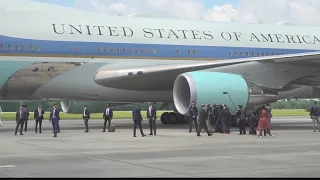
point(152, 116)
point(38, 117)
point(193, 113)
point(137, 119)
point(202, 121)
point(55, 118)
point(227, 119)
point(20, 119)
point(86, 117)
point(209, 117)
point(241, 115)
point(314, 114)
point(107, 115)
point(252, 122)
point(219, 120)
point(27, 118)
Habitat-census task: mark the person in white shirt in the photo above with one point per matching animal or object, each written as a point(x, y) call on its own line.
point(86, 117)
point(107, 115)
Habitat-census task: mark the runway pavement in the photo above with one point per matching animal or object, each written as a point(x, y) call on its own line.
point(294, 151)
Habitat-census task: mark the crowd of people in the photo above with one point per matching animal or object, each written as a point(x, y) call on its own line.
point(215, 119)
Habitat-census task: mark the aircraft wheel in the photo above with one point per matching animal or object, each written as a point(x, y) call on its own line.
point(164, 118)
point(172, 118)
point(180, 119)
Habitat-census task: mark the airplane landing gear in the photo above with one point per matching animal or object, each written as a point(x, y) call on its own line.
point(173, 118)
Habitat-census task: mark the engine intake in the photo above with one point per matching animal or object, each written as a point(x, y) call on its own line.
point(219, 88)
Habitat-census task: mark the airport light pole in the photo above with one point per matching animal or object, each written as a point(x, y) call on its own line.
point(235, 108)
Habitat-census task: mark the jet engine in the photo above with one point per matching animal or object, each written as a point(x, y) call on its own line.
point(204, 87)
point(76, 107)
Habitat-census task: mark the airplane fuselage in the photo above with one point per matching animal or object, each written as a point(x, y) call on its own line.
point(51, 55)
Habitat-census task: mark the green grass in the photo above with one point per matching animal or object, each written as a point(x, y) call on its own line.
point(64, 116)
point(127, 114)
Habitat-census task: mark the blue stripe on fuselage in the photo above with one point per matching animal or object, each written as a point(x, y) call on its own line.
point(10, 45)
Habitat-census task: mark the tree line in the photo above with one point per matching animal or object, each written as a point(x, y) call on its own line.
point(47, 105)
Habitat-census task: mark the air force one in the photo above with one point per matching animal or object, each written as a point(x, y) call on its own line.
point(48, 54)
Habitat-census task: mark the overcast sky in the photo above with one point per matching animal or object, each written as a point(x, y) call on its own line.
point(300, 12)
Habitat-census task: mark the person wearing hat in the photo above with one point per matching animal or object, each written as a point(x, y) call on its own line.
point(202, 121)
point(241, 117)
point(137, 119)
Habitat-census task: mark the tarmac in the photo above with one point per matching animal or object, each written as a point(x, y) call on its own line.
point(293, 151)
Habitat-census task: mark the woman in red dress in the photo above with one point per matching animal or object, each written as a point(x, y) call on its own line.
point(264, 122)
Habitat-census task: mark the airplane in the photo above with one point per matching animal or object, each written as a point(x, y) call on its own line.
point(88, 56)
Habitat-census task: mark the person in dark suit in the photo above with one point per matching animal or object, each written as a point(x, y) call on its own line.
point(38, 117)
point(152, 116)
point(55, 117)
point(25, 107)
point(137, 119)
point(193, 113)
point(203, 115)
point(86, 117)
point(107, 115)
point(20, 119)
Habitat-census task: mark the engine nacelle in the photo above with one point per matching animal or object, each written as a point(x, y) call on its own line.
point(76, 107)
point(220, 88)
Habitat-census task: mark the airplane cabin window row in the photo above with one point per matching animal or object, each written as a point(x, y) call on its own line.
point(124, 50)
point(19, 47)
point(247, 54)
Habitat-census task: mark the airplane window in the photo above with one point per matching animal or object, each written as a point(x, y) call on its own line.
point(154, 51)
point(130, 51)
point(136, 51)
point(9, 46)
point(262, 54)
point(149, 51)
point(230, 53)
point(241, 54)
point(124, 50)
point(16, 47)
point(235, 54)
point(267, 54)
point(37, 48)
point(178, 51)
point(111, 50)
point(252, 53)
point(258, 54)
point(75, 49)
point(141, 51)
point(99, 49)
point(247, 53)
point(118, 50)
point(277, 53)
point(189, 52)
point(194, 52)
point(24, 47)
point(31, 48)
point(105, 50)
point(1, 46)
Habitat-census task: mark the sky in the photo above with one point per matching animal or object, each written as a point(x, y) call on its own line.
point(299, 12)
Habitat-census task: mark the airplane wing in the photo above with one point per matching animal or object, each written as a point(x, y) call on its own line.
point(162, 77)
